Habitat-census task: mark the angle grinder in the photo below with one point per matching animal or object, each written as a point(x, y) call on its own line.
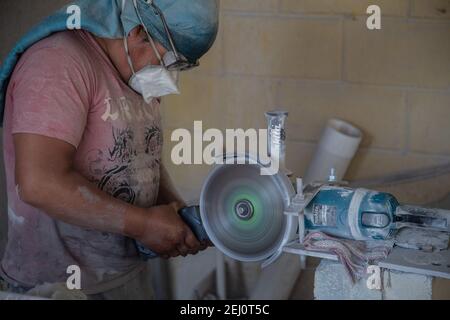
point(243, 213)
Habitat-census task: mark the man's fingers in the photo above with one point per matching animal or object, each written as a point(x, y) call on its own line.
point(191, 241)
point(174, 254)
point(184, 251)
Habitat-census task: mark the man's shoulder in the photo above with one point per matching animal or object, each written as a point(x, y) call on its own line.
point(59, 46)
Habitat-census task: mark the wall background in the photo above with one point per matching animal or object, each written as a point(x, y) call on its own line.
point(317, 60)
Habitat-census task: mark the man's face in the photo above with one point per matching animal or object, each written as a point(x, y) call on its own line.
point(140, 51)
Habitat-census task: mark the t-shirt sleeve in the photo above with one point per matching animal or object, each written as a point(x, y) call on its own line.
point(50, 96)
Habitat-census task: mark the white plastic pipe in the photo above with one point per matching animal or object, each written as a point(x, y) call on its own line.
point(337, 148)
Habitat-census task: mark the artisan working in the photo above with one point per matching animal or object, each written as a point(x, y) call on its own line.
point(83, 141)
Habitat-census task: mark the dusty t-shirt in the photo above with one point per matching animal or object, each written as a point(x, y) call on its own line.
point(65, 87)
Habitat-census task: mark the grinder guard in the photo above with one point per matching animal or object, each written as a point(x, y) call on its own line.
point(243, 211)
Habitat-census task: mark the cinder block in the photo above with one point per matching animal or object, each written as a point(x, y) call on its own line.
point(283, 47)
point(370, 163)
point(188, 179)
point(441, 289)
point(407, 286)
point(221, 102)
point(187, 273)
point(332, 283)
point(379, 112)
point(197, 101)
point(357, 7)
point(431, 8)
point(298, 155)
point(250, 5)
point(430, 116)
point(17, 17)
point(421, 192)
point(402, 53)
point(212, 61)
point(246, 99)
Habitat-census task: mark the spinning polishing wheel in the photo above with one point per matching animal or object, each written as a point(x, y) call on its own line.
point(243, 211)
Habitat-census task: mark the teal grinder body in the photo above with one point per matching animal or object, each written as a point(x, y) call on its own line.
point(358, 214)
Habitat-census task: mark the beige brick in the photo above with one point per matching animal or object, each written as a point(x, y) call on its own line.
point(196, 102)
point(246, 99)
point(421, 192)
point(18, 16)
point(430, 118)
point(431, 8)
point(375, 164)
point(378, 112)
point(283, 47)
point(220, 102)
point(370, 163)
point(188, 179)
point(212, 61)
point(441, 289)
point(402, 53)
point(250, 5)
point(357, 7)
point(299, 156)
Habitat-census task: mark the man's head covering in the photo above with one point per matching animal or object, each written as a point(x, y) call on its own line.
point(193, 25)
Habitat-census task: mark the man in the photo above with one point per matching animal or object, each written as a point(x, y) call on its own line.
point(83, 140)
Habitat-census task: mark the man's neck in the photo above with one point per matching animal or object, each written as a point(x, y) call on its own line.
point(102, 43)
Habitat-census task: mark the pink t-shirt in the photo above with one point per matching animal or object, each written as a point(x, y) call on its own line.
point(65, 87)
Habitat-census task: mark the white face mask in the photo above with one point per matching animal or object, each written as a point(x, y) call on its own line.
point(154, 82)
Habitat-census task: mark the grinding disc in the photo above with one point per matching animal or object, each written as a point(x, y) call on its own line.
point(243, 211)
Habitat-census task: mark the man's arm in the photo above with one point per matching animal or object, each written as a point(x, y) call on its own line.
point(46, 179)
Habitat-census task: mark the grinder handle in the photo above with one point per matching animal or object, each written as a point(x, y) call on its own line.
point(191, 216)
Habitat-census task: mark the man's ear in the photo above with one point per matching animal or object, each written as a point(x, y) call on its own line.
point(135, 33)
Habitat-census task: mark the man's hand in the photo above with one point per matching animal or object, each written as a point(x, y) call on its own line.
point(166, 233)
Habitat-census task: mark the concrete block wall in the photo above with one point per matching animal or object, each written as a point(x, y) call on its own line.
point(317, 60)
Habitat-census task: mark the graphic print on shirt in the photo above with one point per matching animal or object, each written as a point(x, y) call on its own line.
point(129, 169)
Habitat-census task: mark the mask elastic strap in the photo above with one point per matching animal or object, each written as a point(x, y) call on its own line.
point(125, 41)
point(148, 34)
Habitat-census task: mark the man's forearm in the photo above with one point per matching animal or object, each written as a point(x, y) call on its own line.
point(73, 199)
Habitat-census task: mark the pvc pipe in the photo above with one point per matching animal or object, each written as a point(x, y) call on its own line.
point(337, 147)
